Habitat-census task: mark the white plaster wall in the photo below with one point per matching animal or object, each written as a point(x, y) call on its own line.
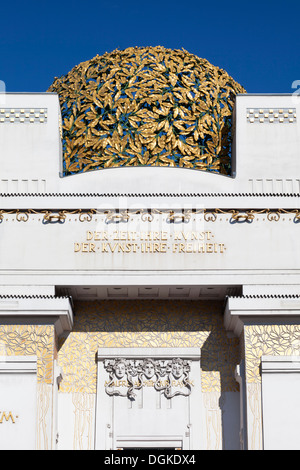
point(30, 153)
point(18, 396)
point(280, 402)
point(267, 156)
point(265, 150)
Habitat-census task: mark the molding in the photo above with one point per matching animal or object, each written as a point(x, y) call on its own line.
point(18, 364)
point(151, 441)
point(109, 195)
point(265, 296)
point(33, 296)
point(240, 311)
point(37, 310)
point(193, 354)
point(280, 364)
point(173, 215)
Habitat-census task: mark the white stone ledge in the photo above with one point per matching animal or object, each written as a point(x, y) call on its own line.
point(157, 353)
point(280, 364)
point(18, 364)
point(37, 310)
point(240, 311)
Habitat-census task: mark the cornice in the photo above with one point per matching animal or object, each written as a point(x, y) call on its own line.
point(265, 296)
point(162, 194)
point(34, 296)
point(254, 309)
point(37, 309)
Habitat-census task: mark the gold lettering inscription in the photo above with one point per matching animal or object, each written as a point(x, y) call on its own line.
point(7, 416)
point(153, 242)
point(85, 247)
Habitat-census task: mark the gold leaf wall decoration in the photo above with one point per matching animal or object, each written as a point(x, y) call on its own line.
point(269, 340)
point(31, 340)
point(147, 324)
point(174, 108)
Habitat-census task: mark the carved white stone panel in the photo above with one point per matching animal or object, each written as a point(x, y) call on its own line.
point(148, 397)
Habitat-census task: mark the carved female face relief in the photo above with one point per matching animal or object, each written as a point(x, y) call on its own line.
point(177, 369)
point(148, 369)
point(120, 369)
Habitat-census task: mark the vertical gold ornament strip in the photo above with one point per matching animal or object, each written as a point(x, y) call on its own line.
point(84, 406)
point(213, 418)
point(44, 397)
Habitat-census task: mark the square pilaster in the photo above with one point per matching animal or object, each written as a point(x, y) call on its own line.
point(267, 326)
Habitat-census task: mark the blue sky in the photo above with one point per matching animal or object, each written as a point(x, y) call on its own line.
point(257, 42)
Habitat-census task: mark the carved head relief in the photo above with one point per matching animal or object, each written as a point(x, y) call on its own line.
point(177, 368)
point(119, 369)
point(130, 373)
point(148, 368)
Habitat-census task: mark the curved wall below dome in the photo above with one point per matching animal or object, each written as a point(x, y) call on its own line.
point(147, 180)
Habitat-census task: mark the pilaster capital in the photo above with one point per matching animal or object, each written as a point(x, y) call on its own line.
point(256, 309)
point(37, 309)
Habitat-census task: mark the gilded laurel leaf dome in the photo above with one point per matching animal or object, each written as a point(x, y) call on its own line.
point(146, 106)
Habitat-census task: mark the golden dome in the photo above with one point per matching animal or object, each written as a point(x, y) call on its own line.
point(146, 106)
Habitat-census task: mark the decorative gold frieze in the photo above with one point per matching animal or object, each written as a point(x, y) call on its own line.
point(48, 216)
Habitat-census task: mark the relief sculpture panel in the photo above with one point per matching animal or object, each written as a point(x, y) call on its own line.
point(169, 377)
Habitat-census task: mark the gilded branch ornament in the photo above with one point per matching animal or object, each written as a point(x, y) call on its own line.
point(49, 216)
point(147, 106)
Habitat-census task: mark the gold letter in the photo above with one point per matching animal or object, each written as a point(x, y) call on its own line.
point(163, 247)
point(209, 247)
point(7, 417)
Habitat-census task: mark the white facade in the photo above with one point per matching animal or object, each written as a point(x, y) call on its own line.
point(159, 234)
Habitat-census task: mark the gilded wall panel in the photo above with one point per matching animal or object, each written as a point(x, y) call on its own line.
point(148, 324)
point(29, 340)
point(268, 340)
